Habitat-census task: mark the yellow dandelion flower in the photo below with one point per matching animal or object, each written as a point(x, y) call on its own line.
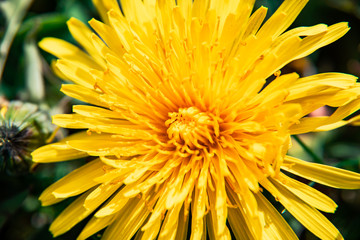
point(185, 132)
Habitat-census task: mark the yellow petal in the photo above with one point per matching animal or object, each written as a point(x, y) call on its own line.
point(59, 151)
point(135, 11)
point(198, 212)
point(313, 85)
point(277, 84)
point(83, 94)
point(129, 220)
point(308, 216)
point(101, 194)
point(104, 6)
point(275, 226)
point(182, 228)
point(246, 212)
point(102, 145)
point(239, 226)
point(183, 186)
point(212, 231)
point(284, 52)
point(151, 233)
point(301, 31)
point(309, 195)
point(116, 204)
point(333, 33)
point(108, 34)
point(310, 124)
point(65, 50)
point(94, 225)
point(218, 211)
point(56, 152)
point(323, 174)
point(282, 18)
point(119, 24)
point(96, 112)
point(120, 199)
point(77, 74)
point(68, 218)
point(170, 223)
point(335, 125)
point(76, 182)
point(116, 126)
point(56, 71)
point(154, 221)
point(255, 22)
point(122, 164)
point(82, 34)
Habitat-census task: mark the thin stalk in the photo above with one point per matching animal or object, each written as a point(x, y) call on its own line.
point(16, 11)
point(315, 157)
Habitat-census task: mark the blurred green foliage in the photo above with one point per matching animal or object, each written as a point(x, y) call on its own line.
point(27, 76)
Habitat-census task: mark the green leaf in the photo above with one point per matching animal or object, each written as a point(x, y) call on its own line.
point(14, 11)
point(46, 23)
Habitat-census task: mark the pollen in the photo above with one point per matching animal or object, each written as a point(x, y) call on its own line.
point(192, 129)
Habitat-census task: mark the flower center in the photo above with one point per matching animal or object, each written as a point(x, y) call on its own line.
point(191, 129)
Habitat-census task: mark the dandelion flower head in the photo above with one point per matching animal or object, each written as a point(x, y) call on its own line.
point(185, 131)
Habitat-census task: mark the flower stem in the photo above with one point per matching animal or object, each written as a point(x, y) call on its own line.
point(15, 12)
point(315, 157)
